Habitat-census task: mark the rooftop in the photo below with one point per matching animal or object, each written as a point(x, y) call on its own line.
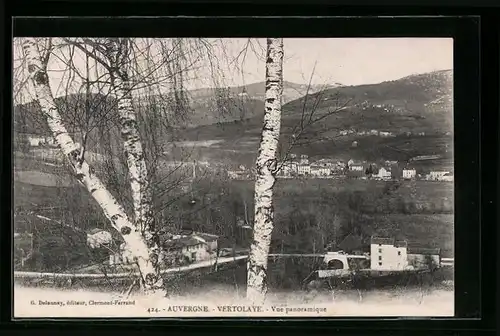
point(382, 241)
point(207, 236)
point(95, 230)
point(401, 243)
point(423, 250)
point(180, 243)
point(196, 238)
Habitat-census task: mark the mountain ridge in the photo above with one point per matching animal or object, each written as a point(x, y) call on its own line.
point(418, 109)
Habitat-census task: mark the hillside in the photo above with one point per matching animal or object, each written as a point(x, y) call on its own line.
point(222, 124)
point(419, 101)
point(416, 110)
point(209, 106)
point(291, 91)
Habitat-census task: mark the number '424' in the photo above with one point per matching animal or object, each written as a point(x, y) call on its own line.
point(153, 310)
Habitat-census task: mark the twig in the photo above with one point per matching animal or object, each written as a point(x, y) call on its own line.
point(127, 294)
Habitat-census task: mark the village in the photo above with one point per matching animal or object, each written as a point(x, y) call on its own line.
point(294, 167)
point(303, 167)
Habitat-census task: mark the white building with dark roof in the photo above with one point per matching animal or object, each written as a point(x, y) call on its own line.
point(437, 175)
point(319, 170)
point(383, 174)
point(98, 237)
point(388, 254)
point(409, 173)
point(419, 258)
point(178, 249)
point(303, 169)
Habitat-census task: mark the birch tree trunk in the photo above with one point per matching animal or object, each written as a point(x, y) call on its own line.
point(134, 241)
point(266, 166)
point(132, 145)
point(121, 87)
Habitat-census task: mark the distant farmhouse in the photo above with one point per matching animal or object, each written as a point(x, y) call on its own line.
point(98, 238)
point(176, 250)
point(440, 176)
point(37, 141)
point(391, 254)
point(356, 165)
point(409, 173)
point(319, 170)
point(383, 174)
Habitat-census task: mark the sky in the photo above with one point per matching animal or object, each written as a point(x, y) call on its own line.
point(363, 61)
point(348, 61)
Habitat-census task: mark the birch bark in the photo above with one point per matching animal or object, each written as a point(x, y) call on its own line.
point(132, 145)
point(134, 241)
point(266, 166)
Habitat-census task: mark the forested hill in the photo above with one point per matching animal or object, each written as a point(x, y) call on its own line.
point(417, 109)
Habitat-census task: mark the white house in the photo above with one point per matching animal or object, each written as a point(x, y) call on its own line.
point(177, 249)
point(318, 170)
point(289, 169)
point(356, 167)
point(326, 163)
point(210, 240)
point(233, 175)
point(98, 237)
point(436, 175)
point(303, 169)
point(409, 173)
point(36, 140)
point(387, 254)
point(383, 174)
point(238, 174)
point(422, 258)
point(446, 177)
point(304, 159)
point(195, 247)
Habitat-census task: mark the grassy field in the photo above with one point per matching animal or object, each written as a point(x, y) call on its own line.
point(309, 213)
point(310, 188)
point(34, 177)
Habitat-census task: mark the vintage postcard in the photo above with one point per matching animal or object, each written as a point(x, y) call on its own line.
point(218, 177)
